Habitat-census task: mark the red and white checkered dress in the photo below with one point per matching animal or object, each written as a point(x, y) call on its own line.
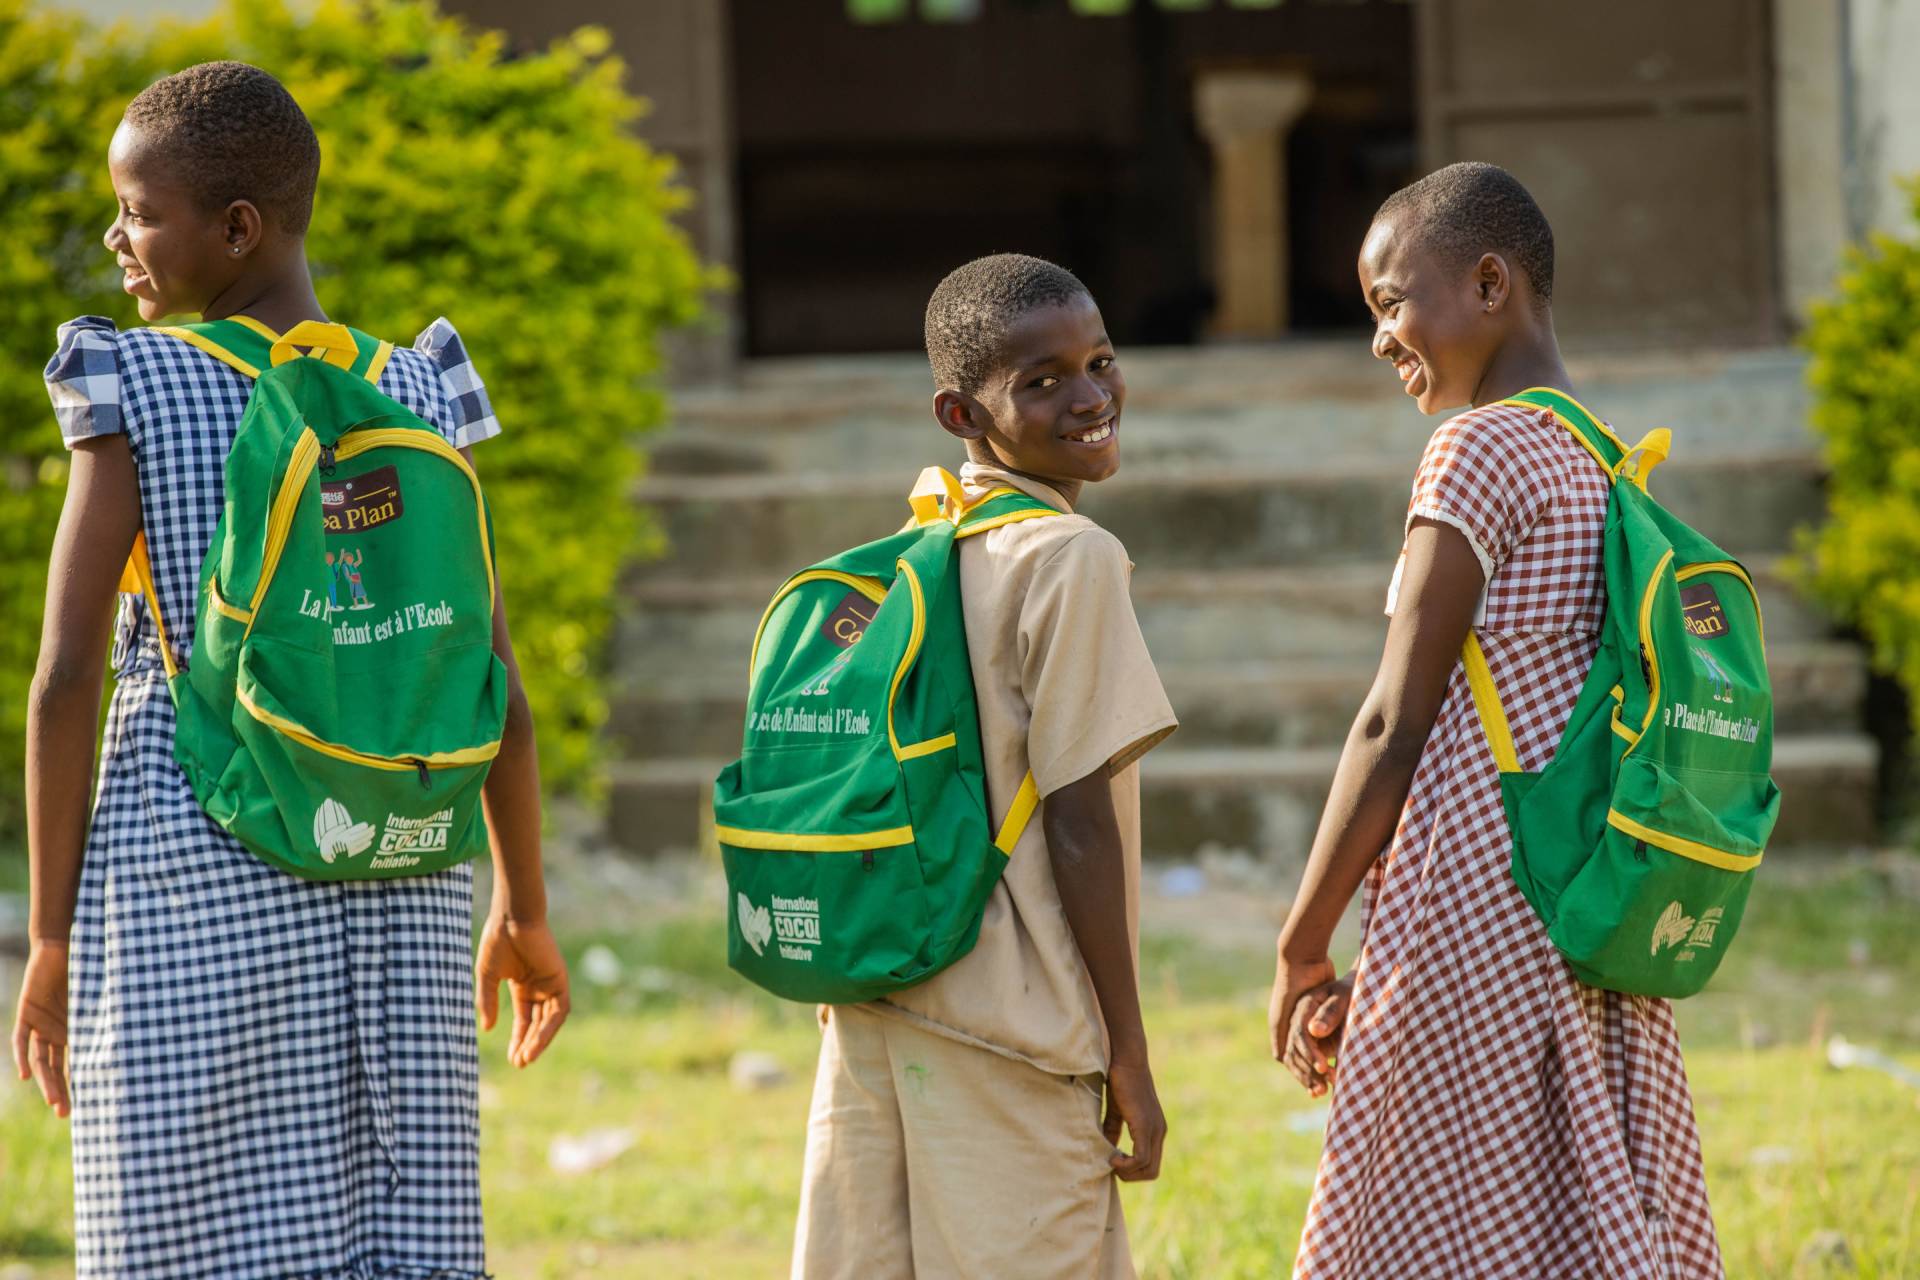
point(1493, 1116)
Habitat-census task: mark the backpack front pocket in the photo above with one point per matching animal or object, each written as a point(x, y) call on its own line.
point(1652, 910)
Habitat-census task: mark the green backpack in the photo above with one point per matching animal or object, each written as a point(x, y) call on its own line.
point(342, 703)
point(854, 828)
point(1638, 843)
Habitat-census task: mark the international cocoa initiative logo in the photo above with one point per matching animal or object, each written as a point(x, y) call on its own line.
point(1675, 928)
point(403, 840)
point(756, 924)
point(796, 922)
point(336, 833)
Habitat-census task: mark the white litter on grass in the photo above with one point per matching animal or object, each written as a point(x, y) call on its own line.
point(1826, 1253)
point(583, 1153)
point(751, 1071)
point(1314, 1121)
point(1767, 1157)
point(654, 980)
point(1842, 1055)
point(600, 966)
point(1183, 881)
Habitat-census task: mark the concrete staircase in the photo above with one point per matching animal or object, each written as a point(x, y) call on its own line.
point(1261, 496)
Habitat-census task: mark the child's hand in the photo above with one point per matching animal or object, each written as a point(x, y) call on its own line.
point(40, 1024)
point(1133, 1101)
point(1293, 980)
point(1313, 1039)
point(528, 960)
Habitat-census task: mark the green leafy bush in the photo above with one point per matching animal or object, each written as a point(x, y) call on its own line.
point(1865, 561)
point(507, 194)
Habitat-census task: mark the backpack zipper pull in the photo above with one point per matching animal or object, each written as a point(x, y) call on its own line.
point(326, 459)
point(420, 766)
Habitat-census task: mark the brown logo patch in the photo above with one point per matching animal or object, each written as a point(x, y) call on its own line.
point(1700, 606)
point(848, 622)
point(356, 505)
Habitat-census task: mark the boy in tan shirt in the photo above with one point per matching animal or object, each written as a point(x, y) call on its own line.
point(957, 1127)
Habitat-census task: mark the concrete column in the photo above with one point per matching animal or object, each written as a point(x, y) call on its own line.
point(1245, 116)
point(1810, 150)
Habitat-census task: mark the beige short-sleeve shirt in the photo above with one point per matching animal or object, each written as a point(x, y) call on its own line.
point(1065, 687)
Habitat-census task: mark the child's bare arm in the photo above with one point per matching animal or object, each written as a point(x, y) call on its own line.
point(90, 548)
point(1083, 841)
point(1439, 592)
point(516, 945)
point(96, 532)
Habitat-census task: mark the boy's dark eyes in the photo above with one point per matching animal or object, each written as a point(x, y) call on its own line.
point(1047, 380)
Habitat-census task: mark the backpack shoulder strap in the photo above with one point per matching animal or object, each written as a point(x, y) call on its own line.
point(244, 344)
point(1006, 505)
point(1486, 700)
point(250, 347)
point(1609, 450)
point(1592, 434)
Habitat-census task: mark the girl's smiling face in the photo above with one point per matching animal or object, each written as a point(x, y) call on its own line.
point(1440, 328)
point(177, 254)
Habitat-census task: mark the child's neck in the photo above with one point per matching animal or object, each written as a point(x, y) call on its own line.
point(1531, 359)
point(1069, 490)
point(278, 299)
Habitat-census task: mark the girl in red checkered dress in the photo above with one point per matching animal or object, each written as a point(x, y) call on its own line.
point(1494, 1116)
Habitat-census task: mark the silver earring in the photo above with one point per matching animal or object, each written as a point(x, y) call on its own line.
point(236, 249)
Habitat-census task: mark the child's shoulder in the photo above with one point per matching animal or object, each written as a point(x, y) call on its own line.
point(1501, 443)
point(1494, 427)
point(1036, 543)
point(1054, 561)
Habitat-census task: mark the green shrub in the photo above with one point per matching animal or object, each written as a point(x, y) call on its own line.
point(507, 194)
point(1865, 561)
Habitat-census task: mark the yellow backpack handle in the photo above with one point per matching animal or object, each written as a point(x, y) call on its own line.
point(1637, 463)
point(936, 485)
point(331, 342)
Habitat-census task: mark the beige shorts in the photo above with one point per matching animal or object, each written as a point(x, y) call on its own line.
point(929, 1159)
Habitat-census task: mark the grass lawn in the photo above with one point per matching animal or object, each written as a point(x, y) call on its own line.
point(1796, 1152)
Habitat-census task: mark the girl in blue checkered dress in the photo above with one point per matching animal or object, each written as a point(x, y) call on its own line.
point(267, 1076)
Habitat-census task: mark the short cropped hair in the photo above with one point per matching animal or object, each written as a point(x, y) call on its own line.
point(1470, 208)
point(972, 309)
point(236, 134)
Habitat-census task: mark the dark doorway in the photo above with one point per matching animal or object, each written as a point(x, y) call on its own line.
point(875, 156)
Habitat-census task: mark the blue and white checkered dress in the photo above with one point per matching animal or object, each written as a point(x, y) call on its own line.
point(272, 1077)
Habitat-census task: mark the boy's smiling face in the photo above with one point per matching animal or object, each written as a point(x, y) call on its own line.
point(1439, 325)
point(1051, 409)
point(177, 254)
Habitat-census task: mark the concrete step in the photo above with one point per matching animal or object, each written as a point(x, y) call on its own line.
point(678, 629)
point(1268, 801)
point(1237, 516)
point(1818, 688)
point(1216, 404)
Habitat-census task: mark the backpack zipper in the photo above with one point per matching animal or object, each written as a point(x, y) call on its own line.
point(872, 588)
point(293, 485)
point(418, 764)
point(1645, 835)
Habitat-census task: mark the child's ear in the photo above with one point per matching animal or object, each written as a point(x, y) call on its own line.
point(244, 228)
point(1492, 282)
point(960, 415)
